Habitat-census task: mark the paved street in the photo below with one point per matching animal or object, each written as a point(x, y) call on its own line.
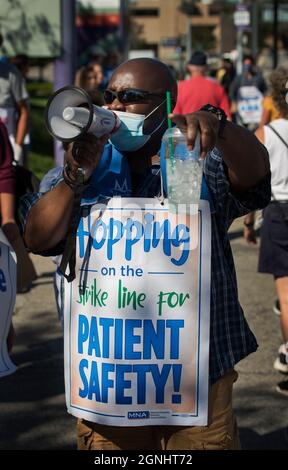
point(262, 412)
point(32, 409)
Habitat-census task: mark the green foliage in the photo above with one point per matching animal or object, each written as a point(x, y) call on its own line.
point(40, 158)
point(43, 89)
point(40, 164)
point(41, 141)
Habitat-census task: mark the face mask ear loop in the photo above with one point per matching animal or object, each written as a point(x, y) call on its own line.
point(155, 109)
point(161, 197)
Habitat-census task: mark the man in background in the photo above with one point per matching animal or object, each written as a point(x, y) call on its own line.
point(199, 89)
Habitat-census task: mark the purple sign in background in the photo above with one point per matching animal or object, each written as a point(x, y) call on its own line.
point(241, 17)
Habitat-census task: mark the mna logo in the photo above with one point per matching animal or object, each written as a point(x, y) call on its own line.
point(138, 414)
point(121, 188)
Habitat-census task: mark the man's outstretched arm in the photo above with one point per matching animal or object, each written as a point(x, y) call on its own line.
point(246, 158)
point(49, 218)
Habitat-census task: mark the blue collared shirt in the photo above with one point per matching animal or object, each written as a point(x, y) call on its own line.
point(230, 336)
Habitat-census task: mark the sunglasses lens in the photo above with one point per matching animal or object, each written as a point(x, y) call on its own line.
point(125, 96)
point(108, 96)
point(133, 96)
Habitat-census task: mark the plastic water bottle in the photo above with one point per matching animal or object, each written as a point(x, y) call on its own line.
point(184, 170)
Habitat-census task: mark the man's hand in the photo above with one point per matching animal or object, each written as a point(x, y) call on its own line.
point(201, 121)
point(85, 153)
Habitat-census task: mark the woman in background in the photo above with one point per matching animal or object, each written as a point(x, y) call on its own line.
point(273, 256)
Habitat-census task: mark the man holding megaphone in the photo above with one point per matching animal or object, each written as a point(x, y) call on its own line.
point(120, 161)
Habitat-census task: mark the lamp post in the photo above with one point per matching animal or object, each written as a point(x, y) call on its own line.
point(254, 28)
point(123, 28)
point(64, 67)
point(189, 38)
point(189, 8)
point(275, 33)
point(241, 21)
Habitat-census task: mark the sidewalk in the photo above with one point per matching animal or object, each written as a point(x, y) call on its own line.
point(262, 412)
point(33, 412)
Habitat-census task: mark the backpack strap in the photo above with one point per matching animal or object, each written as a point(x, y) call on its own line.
point(278, 135)
point(286, 145)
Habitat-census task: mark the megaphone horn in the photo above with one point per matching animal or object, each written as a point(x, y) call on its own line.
point(70, 113)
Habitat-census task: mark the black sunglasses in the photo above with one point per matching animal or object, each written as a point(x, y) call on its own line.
point(130, 95)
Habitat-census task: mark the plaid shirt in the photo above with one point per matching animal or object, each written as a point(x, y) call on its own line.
point(230, 337)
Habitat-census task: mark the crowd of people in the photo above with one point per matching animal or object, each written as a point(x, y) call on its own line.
point(261, 107)
point(238, 167)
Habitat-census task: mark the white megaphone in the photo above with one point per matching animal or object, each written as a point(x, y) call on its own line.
point(70, 113)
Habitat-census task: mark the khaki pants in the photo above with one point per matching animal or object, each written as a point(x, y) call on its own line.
point(221, 432)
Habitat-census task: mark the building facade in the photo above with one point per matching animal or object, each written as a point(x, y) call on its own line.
point(170, 29)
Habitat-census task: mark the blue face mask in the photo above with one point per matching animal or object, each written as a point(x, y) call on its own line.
point(129, 137)
point(247, 68)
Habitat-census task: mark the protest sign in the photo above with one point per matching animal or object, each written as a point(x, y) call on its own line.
point(249, 104)
point(7, 301)
point(137, 316)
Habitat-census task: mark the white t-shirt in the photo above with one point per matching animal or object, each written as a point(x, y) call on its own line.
point(278, 155)
point(12, 86)
point(12, 90)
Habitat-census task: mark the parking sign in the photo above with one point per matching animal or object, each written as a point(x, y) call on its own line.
point(241, 17)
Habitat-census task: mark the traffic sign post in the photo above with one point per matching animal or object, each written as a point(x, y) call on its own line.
point(241, 17)
point(241, 22)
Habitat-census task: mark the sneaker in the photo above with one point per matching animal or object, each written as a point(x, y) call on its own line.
point(280, 363)
point(276, 307)
point(282, 387)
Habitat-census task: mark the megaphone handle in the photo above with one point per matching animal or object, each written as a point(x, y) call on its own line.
point(75, 151)
point(78, 184)
point(80, 171)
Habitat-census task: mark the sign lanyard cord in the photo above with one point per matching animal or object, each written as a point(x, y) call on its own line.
point(69, 254)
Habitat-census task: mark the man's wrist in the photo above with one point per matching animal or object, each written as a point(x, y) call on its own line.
point(219, 114)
